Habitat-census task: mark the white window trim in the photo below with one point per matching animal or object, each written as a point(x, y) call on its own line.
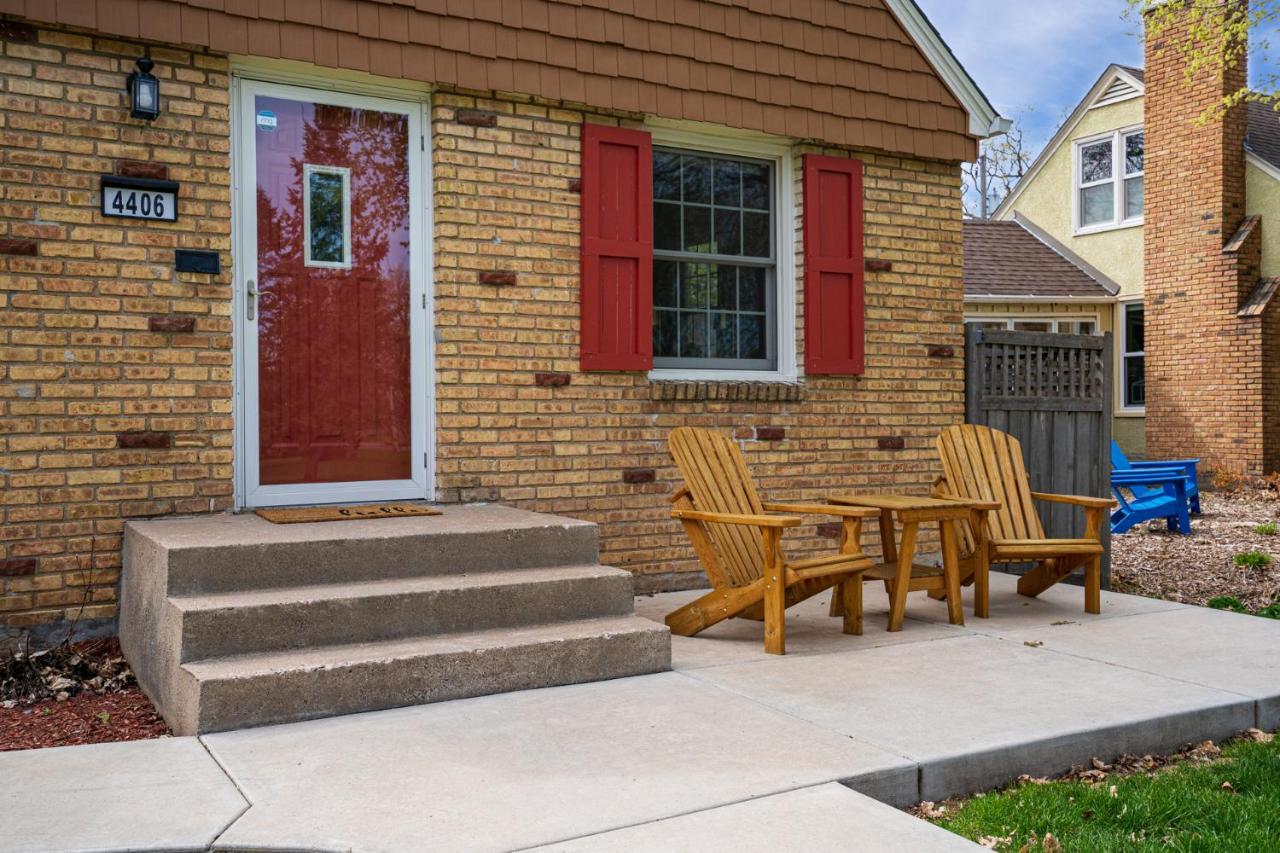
point(777, 152)
point(1117, 179)
point(309, 169)
point(1009, 318)
point(1121, 352)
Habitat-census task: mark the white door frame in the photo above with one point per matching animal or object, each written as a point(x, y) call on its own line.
point(249, 492)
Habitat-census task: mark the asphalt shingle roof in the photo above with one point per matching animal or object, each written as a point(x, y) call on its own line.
point(1004, 259)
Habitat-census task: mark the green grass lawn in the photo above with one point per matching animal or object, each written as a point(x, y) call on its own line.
point(1183, 807)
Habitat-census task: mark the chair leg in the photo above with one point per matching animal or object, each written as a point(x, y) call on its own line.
point(849, 592)
point(1093, 585)
point(1195, 505)
point(775, 615)
point(1184, 522)
point(951, 572)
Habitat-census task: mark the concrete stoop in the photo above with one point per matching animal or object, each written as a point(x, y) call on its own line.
point(230, 621)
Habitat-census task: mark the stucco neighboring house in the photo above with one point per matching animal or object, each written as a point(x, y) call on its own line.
point(465, 252)
point(1086, 191)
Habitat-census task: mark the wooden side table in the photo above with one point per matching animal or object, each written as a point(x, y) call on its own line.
point(899, 571)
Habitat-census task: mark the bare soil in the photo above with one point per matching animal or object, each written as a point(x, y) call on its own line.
point(1153, 562)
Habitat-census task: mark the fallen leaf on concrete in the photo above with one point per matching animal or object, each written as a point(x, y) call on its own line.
point(1035, 644)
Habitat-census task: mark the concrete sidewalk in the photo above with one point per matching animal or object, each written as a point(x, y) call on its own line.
point(733, 750)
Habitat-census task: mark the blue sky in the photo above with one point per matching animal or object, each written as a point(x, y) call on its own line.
point(1036, 59)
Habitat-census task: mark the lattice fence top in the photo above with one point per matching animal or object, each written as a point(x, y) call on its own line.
point(1038, 371)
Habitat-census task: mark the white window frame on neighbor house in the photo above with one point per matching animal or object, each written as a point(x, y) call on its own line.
point(730, 143)
point(1010, 319)
point(1122, 358)
point(1119, 178)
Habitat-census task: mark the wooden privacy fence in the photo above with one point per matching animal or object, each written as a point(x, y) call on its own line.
point(1053, 393)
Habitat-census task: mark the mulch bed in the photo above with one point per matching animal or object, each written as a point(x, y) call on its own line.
point(1151, 561)
point(86, 718)
point(72, 694)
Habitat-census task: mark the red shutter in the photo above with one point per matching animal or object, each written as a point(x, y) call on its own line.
point(833, 286)
point(617, 249)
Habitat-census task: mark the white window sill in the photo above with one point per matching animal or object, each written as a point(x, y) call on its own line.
point(1086, 230)
point(676, 375)
point(1131, 413)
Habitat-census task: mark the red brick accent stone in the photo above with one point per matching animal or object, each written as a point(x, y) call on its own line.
point(829, 529)
point(17, 567)
point(639, 475)
point(499, 278)
point(937, 351)
point(878, 265)
point(575, 186)
point(551, 380)
point(770, 433)
point(171, 323)
point(144, 439)
point(477, 118)
point(19, 247)
point(142, 169)
point(891, 442)
point(17, 31)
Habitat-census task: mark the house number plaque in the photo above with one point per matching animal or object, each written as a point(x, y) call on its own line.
point(140, 198)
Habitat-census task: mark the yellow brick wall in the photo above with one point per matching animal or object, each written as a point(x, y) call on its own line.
point(83, 377)
point(506, 201)
point(82, 373)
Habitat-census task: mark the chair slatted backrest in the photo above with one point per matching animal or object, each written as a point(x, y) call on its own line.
point(986, 464)
point(717, 479)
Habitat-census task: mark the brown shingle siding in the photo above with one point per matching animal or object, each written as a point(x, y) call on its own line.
point(837, 68)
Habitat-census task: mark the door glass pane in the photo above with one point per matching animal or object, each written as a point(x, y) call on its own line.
point(333, 269)
point(328, 215)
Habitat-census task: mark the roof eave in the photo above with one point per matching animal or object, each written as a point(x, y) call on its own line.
point(984, 120)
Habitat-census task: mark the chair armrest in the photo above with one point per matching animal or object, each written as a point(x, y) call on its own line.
point(971, 503)
point(745, 520)
point(1153, 477)
point(1165, 463)
point(834, 510)
point(1078, 500)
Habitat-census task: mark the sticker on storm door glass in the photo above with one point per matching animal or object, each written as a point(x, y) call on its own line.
point(266, 120)
point(326, 202)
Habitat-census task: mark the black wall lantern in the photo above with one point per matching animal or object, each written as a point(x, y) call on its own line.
point(144, 91)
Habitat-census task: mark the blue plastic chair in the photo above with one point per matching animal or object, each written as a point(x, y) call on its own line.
point(1120, 462)
point(1153, 493)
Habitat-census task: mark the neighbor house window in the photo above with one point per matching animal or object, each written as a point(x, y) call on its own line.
point(1060, 325)
point(1109, 180)
point(714, 262)
point(1132, 381)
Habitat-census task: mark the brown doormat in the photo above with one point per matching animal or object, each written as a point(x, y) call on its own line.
point(302, 514)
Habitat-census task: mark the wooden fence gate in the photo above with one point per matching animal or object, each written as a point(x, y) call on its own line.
point(1053, 393)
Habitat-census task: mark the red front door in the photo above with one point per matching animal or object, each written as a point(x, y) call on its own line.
point(332, 314)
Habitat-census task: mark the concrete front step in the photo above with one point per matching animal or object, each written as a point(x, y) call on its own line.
point(231, 621)
point(250, 690)
point(278, 619)
point(233, 553)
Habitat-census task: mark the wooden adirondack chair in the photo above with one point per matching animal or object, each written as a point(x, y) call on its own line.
point(737, 537)
point(981, 463)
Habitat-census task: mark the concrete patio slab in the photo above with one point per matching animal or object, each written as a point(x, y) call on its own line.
point(522, 769)
point(166, 794)
point(1059, 603)
point(810, 630)
point(976, 711)
point(1214, 648)
point(822, 819)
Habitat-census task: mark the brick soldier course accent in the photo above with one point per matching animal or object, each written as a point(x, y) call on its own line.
point(500, 279)
point(1210, 390)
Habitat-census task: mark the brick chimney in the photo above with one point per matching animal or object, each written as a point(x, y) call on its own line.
point(1202, 256)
